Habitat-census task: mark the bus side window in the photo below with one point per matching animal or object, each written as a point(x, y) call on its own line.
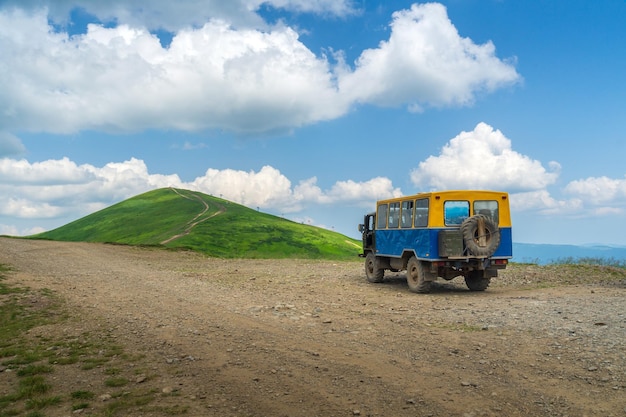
point(407, 214)
point(381, 222)
point(394, 215)
point(421, 212)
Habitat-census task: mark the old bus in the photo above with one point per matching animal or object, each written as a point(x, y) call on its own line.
point(443, 234)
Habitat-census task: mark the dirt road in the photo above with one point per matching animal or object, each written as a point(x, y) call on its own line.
point(309, 338)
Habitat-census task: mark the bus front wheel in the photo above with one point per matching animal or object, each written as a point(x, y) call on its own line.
point(373, 271)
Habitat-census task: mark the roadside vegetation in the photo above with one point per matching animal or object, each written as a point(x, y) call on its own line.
point(182, 219)
point(611, 262)
point(570, 260)
point(568, 272)
point(33, 361)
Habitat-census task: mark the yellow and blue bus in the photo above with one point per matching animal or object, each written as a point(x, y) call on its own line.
point(442, 234)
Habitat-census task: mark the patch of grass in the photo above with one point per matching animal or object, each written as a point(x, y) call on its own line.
point(35, 358)
point(4, 290)
point(31, 386)
point(8, 351)
point(130, 401)
point(113, 351)
point(91, 363)
point(112, 371)
point(41, 403)
point(7, 400)
point(590, 261)
point(36, 369)
point(64, 360)
point(83, 395)
point(116, 382)
point(23, 357)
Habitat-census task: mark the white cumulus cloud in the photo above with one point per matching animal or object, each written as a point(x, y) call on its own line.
point(217, 75)
point(270, 189)
point(598, 190)
point(63, 189)
point(542, 202)
point(50, 172)
point(56, 188)
point(122, 79)
point(378, 188)
point(426, 62)
point(350, 191)
point(483, 159)
point(266, 188)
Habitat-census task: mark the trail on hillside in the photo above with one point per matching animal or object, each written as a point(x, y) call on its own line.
point(196, 220)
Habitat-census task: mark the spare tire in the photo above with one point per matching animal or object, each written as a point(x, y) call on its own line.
point(481, 235)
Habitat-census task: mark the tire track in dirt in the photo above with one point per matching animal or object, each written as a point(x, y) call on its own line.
point(193, 222)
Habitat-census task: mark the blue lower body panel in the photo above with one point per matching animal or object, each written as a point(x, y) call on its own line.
point(425, 243)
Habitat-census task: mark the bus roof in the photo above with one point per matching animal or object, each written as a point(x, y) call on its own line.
point(452, 195)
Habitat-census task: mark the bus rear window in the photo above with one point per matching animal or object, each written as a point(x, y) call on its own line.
point(455, 212)
point(488, 208)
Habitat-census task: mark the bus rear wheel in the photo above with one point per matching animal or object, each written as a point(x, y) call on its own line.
point(373, 271)
point(418, 276)
point(475, 281)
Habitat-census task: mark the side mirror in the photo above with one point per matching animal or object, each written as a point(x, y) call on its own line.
point(361, 228)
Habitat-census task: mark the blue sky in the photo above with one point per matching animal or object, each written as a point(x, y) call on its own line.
point(314, 109)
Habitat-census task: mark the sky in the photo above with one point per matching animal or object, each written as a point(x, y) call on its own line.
point(314, 109)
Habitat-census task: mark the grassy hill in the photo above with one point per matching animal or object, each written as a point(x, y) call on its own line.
point(176, 218)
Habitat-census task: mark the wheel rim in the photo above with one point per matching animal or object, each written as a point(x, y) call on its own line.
point(413, 275)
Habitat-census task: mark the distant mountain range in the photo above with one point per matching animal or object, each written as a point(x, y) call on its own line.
point(544, 253)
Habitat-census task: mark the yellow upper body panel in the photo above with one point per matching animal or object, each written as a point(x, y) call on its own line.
point(497, 201)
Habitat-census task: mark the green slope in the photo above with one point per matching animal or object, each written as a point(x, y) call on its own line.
point(177, 218)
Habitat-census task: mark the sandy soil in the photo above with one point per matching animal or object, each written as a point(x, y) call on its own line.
point(309, 338)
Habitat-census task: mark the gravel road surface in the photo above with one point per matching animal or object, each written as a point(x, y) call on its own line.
point(314, 338)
